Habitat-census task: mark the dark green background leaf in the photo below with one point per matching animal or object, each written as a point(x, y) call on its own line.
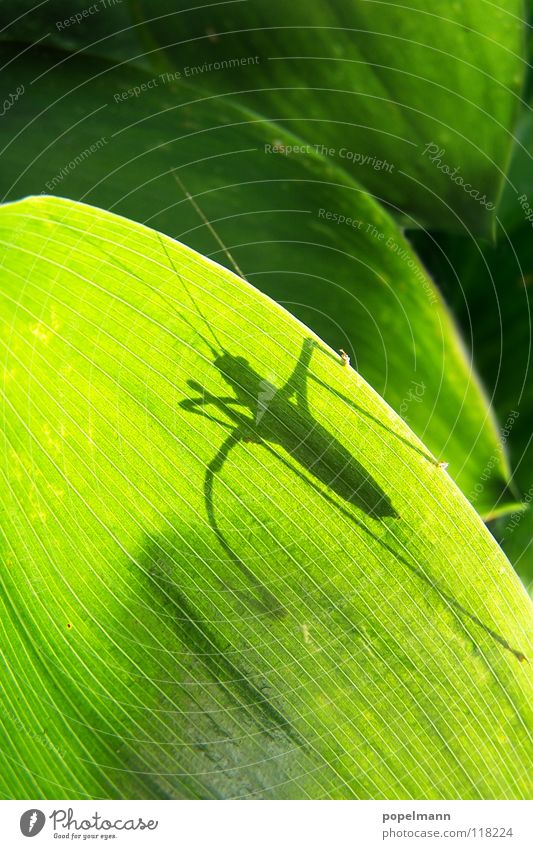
point(371, 79)
point(357, 285)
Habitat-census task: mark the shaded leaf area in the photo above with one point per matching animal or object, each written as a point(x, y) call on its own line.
point(490, 292)
point(298, 226)
point(424, 123)
point(529, 45)
point(313, 610)
point(375, 82)
point(103, 28)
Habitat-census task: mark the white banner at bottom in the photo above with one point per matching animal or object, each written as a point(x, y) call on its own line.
point(264, 825)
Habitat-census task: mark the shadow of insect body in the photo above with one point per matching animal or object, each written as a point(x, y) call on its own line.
point(281, 419)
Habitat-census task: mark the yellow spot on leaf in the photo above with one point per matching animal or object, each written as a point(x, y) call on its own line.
point(52, 440)
point(54, 320)
point(41, 331)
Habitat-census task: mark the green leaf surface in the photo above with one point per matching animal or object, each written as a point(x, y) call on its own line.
point(300, 227)
point(375, 83)
point(516, 205)
point(228, 568)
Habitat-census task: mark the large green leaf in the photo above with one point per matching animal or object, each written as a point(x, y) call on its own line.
point(228, 568)
point(301, 229)
point(375, 83)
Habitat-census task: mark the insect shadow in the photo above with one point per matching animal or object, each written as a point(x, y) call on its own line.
point(281, 419)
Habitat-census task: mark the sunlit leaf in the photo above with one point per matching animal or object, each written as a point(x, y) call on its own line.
point(228, 568)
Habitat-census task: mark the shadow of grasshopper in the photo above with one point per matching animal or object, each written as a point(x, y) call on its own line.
point(281, 419)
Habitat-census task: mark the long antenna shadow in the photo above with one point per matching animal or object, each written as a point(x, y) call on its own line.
point(350, 403)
